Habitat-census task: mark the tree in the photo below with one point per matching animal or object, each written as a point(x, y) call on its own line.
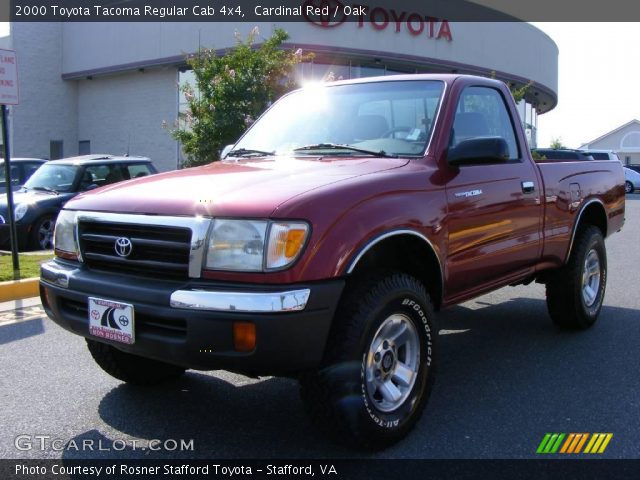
point(557, 143)
point(517, 92)
point(231, 91)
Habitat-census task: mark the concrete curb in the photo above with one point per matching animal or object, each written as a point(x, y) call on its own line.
point(17, 289)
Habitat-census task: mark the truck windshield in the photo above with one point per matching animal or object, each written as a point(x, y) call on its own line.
point(393, 118)
point(55, 178)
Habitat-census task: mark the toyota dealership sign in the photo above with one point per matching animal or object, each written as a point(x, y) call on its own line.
point(332, 13)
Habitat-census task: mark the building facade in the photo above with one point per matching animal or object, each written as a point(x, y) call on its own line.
point(624, 140)
point(110, 87)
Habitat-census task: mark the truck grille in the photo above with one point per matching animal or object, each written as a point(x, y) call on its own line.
point(158, 251)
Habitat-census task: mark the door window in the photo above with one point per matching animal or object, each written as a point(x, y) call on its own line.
point(104, 174)
point(138, 170)
point(481, 112)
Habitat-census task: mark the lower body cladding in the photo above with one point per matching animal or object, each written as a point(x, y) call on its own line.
point(195, 324)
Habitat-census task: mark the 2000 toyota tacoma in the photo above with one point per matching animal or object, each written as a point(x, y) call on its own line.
point(321, 245)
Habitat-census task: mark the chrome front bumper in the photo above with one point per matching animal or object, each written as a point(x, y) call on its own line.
point(248, 302)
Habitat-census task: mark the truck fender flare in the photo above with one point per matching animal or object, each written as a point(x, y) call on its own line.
point(374, 241)
point(584, 207)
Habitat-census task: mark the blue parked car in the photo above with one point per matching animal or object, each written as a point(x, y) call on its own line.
point(37, 203)
point(21, 171)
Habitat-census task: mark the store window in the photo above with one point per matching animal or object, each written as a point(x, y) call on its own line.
point(55, 149)
point(84, 147)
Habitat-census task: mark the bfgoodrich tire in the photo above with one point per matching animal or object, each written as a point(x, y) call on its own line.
point(379, 365)
point(576, 291)
point(132, 368)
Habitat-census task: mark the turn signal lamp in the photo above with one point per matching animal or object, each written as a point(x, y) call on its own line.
point(285, 243)
point(244, 336)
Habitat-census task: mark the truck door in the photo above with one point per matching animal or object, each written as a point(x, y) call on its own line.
point(494, 207)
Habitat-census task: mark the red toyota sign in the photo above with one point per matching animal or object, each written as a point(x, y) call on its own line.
point(332, 13)
point(324, 13)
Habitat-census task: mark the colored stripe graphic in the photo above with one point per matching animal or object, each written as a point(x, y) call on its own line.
point(543, 443)
point(550, 443)
point(581, 443)
point(568, 442)
point(598, 443)
point(556, 445)
point(574, 443)
point(604, 445)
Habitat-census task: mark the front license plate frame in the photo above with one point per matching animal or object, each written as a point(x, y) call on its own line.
point(111, 320)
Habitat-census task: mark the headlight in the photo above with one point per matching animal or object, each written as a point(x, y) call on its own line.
point(254, 246)
point(20, 211)
point(236, 245)
point(64, 238)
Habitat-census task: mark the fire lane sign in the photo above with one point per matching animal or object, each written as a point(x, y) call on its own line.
point(8, 78)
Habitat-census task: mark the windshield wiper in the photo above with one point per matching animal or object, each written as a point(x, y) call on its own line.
point(343, 146)
point(45, 189)
point(245, 152)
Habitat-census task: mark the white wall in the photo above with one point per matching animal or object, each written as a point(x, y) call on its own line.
point(516, 48)
point(119, 110)
point(5, 42)
point(48, 105)
point(126, 111)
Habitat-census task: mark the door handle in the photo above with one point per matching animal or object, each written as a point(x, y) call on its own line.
point(528, 187)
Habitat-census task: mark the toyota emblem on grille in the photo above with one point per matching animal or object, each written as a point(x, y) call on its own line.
point(123, 247)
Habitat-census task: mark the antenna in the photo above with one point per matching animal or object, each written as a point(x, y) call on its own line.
point(128, 145)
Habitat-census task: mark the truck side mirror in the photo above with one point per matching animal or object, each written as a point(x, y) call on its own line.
point(479, 150)
point(225, 151)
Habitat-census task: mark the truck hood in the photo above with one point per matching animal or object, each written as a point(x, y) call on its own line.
point(245, 187)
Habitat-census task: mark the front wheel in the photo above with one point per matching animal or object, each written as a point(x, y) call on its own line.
point(42, 233)
point(628, 187)
point(379, 364)
point(576, 291)
point(132, 368)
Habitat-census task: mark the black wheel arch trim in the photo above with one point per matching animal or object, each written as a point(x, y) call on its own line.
point(576, 224)
point(356, 257)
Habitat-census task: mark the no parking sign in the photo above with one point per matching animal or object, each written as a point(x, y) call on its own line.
point(8, 78)
point(9, 96)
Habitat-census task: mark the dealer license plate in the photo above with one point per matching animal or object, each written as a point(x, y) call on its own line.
point(111, 320)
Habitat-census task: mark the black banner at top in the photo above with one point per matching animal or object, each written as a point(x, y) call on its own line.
point(324, 12)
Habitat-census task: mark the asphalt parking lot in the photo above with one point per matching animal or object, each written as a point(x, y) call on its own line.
point(506, 377)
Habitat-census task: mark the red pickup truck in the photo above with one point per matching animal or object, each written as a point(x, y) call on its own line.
point(321, 245)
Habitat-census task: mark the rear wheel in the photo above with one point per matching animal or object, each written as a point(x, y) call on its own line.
point(132, 368)
point(379, 364)
point(628, 187)
point(576, 291)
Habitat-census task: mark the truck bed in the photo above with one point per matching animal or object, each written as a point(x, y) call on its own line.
point(569, 185)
